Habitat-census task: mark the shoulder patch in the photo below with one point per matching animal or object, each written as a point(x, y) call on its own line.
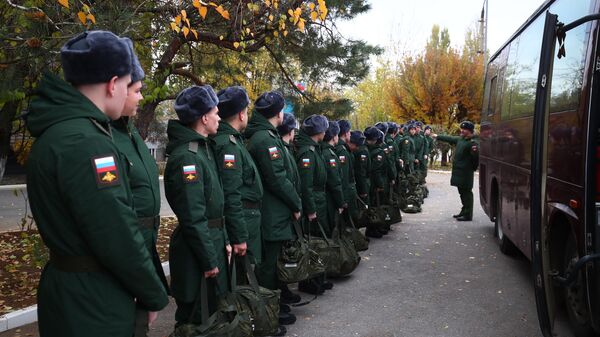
point(363, 157)
point(379, 157)
point(106, 171)
point(305, 163)
point(193, 147)
point(229, 161)
point(332, 162)
point(343, 159)
point(232, 139)
point(274, 153)
point(189, 174)
point(406, 141)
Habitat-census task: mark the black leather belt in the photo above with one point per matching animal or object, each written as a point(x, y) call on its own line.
point(75, 264)
point(216, 223)
point(250, 204)
point(151, 222)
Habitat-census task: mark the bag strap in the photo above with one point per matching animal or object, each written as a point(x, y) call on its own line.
point(202, 297)
point(298, 229)
point(362, 202)
point(321, 230)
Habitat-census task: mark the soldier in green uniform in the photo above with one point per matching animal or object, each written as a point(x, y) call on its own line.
point(342, 150)
point(242, 186)
point(377, 174)
point(143, 177)
point(313, 179)
point(281, 204)
point(81, 200)
point(464, 164)
point(420, 149)
point(389, 164)
point(194, 192)
point(430, 147)
point(362, 164)
point(334, 192)
point(408, 149)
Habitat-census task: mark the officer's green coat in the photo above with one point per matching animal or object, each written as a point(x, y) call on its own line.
point(82, 210)
point(241, 182)
point(362, 169)
point(465, 160)
point(419, 141)
point(348, 179)
point(313, 178)
point(408, 153)
point(143, 180)
point(276, 169)
point(334, 190)
point(194, 192)
point(378, 176)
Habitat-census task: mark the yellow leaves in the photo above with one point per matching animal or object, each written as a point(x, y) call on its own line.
point(221, 37)
point(236, 45)
point(186, 31)
point(196, 4)
point(64, 3)
point(178, 20)
point(276, 33)
point(175, 27)
point(202, 11)
point(311, 6)
point(314, 16)
point(301, 24)
point(224, 13)
point(92, 18)
point(82, 17)
point(195, 32)
point(271, 17)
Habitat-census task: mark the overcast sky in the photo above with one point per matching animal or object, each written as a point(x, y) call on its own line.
point(407, 24)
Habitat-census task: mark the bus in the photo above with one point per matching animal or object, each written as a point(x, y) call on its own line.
point(540, 158)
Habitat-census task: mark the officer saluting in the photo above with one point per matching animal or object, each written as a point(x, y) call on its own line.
point(194, 192)
point(464, 164)
point(80, 197)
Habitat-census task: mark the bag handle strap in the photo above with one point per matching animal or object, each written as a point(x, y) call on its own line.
point(201, 297)
point(298, 229)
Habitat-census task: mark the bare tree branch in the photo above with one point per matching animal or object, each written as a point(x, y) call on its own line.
point(287, 76)
point(188, 74)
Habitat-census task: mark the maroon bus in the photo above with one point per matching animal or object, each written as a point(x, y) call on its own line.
point(540, 155)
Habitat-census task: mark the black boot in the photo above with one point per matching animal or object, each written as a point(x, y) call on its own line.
point(286, 318)
point(310, 287)
point(284, 308)
point(287, 296)
point(373, 233)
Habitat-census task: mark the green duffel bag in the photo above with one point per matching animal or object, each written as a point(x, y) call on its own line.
point(296, 261)
point(260, 303)
point(227, 321)
point(360, 241)
point(328, 251)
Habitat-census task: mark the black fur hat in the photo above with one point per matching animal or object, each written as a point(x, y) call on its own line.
point(315, 124)
point(467, 125)
point(289, 124)
point(269, 104)
point(357, 138)
point(194, 102)
point(382, 126)
point(232, 101)
point(345, 126)
point(95, 57)
point(137, 73)
point(332, 131)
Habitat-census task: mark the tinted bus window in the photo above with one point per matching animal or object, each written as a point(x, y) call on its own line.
point(492, 99)
point(567, 78)
point(509, 76)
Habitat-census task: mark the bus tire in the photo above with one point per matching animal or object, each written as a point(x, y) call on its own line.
point(576, 295)
point(506, 246)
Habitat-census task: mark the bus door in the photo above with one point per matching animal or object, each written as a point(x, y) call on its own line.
point(588, 264)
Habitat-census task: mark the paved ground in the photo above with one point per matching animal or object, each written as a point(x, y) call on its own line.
point(13, 207)
point(431, 276)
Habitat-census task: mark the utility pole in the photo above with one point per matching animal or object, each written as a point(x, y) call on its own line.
point(483, 28)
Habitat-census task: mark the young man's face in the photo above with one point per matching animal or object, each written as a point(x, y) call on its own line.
point(211, 121)
point(116, 95)
point(465, 133)
point(427, 132)
point(134, 96)
point(412, 131)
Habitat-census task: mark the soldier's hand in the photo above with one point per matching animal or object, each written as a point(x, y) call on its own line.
point(340, 210)
point(401, 162)
point(416, 161)
point(434, 135)
point(425, 157)
point(211, 273)
point(240, 249)
point(152, 316)
point(297, 215)
point(228, 250)
point(312, 216)
point(393, 182)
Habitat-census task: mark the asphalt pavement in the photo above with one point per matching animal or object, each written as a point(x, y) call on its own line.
point(431, 276)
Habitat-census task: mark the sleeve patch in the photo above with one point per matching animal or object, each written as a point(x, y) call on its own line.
point(343, 159)
point(379, 157)
point(106, 171)
point(332, 162)
point(406, 141)
point(189, 174)
point(229, 161)
point(363, 157)
point(274, 153)
point(305, 162)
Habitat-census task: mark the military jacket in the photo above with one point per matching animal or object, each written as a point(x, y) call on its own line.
point(334, 174)
point(464, 161)
point(82, 204)
point(346, 161)
point(362, 169)
point(313, 174)
point(142, 172)
point(276, 170)
point(419, 141)
point(408, 152)
point(194, 192)
point(391, 157)
point(378, 166)
point(241, 180)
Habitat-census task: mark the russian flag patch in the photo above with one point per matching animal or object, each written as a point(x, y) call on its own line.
point(106, 171)
point(189, 174)
point(332, 162)
point(305, 162)
point(342, 159)
point(229, 161)
point(274, 153)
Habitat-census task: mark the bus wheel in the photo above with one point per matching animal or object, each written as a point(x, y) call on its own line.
point(506, 246)
point(576, 295)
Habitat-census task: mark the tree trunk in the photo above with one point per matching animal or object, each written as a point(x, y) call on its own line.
point(7, 114)
point(445, 157)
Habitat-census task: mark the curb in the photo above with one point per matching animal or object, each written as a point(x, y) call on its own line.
point(28, 315)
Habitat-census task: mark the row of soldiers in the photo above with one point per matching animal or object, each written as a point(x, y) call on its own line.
point(236, 183)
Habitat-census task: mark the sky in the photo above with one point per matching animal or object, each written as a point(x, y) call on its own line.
point(405, 25)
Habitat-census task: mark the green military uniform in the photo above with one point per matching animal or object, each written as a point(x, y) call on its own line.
point(430, 146)
point(419, 141)
point(378, 174)
point(313, 179)
point(408, 153)
point(280, 199)
point(393, 155)
point(82, 204)
point(334, 191)
point(194, 192)
point(348, 178)
point(242, 188)
point(362, 169)
point(464, 164)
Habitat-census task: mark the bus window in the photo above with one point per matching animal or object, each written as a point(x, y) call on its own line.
point(567, 77)
point(493, 94)
point(509, 75)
